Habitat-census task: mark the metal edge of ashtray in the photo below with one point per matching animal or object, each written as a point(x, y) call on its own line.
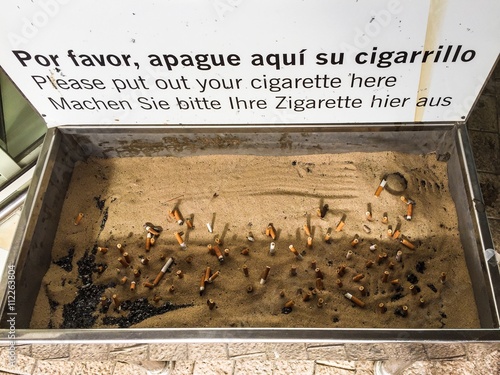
point(396, 183)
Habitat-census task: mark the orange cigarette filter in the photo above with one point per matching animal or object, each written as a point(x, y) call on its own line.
point(409, 212)
point(396, 234)
point(385, 276)
point(355, 241)
point(245, 270)
point(189, 223)
point(123, 262)
point(309, 241)
point(404, 199)
point(102, 250)
point(385, 218)
point(178, 217)
point(339, 283)
point(126, 256)
point(307, 230)
point(265, 274)
point(340, 225)
point(148, 242)
point(218, 253)
point(382, 308)
point(358, 277)
point(356, 300)
point(180, 240)
point(208, 271)
point(407, 243)
point(320, 302)
point(319, 284)
point(132, 286)
point(202, 284)
point(120, 248)
point(116, 300)
point(293, 250)
point(380, 187)
point(290, 303)
point(213, 277)
point(78, 218)
point(272, 231)
point(368, 212)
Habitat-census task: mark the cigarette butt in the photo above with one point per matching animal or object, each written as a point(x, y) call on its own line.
point(395, 282)
point(391, 265)
point(340, 225)
point(245, 251)
point(272, 231)
point(367, 229)
point(349, 254)
point(389, 231)
point(211, 304)
point(209, 227)
point(382, 308)
point(179, 274)
point(213, 277)
point(404, 200)
point(123, 262)
point(202, 284)
point(123, 280)
point(180, 240)
point(385, 218)
point(163, 271)
point(102, 250)
point(189, 259)
point(152, 241)
point(413, 290)
point(313, 264)
point(250, 237)
point(421, 302)
point(369, 263)
point(404, 310)
point(320, 302)
point(171, 289)
point(356, 300)
point(282, 293)
point(407, 243)
point(293, 271)
point(339, 283)
point(218, 253)
point(226, 253)
point(272, 248)
point(380, 187)
point(358, 277)
point(442, 277)
point(309, 241)
point(162, 256)
point(126, 256)
point(355, 241)
point(156, 298)
point(409, 212)
point(145, 261)
point(264, 275)
point(380, 258)
point(328, 237)
point(245, 270)
point(341, 270)
point(151, 230)
point(307, 296)
point(208, 271)
point(149, 285)
point(132, 286)
point(396, 234)
point(307, 230)
point(368, 213)
point(385, 276)
point(295, 252)
point(249, 289)
point(120, 248)
point(319, 283)
point(171, 214)
point(178, 217)
point(116, 301)
point(362, 290)
point(373, 247)
point(148, 242)
point(399, 256)
point(78, 218)
point(322, 211)
point(290, 303)
point(189, 223)
point(137, 273)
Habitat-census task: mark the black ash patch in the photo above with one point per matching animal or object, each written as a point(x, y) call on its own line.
point(66, 262)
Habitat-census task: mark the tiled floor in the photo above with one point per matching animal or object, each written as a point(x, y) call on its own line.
point(484, 132)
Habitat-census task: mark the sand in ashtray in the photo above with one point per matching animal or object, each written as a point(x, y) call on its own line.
point(237, 195)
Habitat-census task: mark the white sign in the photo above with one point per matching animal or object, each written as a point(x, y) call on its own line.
point(249, 61)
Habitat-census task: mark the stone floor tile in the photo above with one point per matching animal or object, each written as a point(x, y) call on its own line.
point(123, 368)
point(223, 367)
point(288, 351)
point(168, 352)
point(334, 368)
point(326, 352)
point(487, 363)
point(494, 225)
point(294, 367)
point(128, 352)
point(215, 351)
point(420, 368)
point(257, 367)
point(406, 351)
point(486, 151)
point(21, 364)
point(53, 367)
point(93, 368)
point(250, 350)
point(484, 115)
point(89, 352)
point(445, 351)
point(459, 367)
point(50, 351)
point(360, 352)
point(181, 367)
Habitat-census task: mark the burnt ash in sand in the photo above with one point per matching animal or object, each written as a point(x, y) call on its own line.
point(66, 262)
point(139, 310)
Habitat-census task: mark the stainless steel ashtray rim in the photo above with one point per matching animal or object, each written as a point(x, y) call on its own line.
point(27, 227)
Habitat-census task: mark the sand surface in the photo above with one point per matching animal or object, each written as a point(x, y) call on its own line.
point(242, 194)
